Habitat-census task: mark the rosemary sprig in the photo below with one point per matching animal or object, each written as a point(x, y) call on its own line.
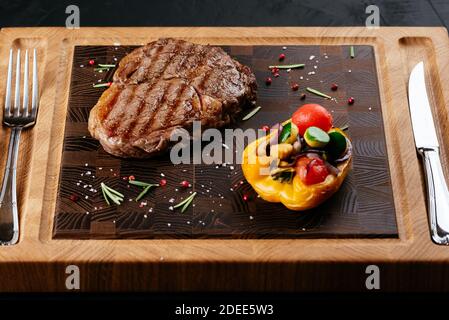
point(146, 186)
point(104, 195)
point(101, 69)
point(251, 113)
point(112, 194)
point(288, 66)
point(351, 52)
point(100, 85)
point(318, 93)
point(101, 65)
point(143, 184)
point(185, 203)
point(144, 192)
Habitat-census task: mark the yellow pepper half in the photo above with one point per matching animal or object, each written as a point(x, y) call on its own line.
point(295, 195)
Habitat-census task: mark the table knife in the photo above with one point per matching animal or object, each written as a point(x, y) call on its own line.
point(426, 142)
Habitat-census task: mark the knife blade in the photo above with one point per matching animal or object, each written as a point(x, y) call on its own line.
point(426, 142)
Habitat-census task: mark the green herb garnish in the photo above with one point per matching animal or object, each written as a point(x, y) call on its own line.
point(100, 85)
point(106, 65)
point(101, 69)
point(286, 131)
point(318, 93)
point(146, 187)
point(283, 174)
point(351, 52)
point(185, 203)
point(288, 66)
point(112, 194)
point(252, 113)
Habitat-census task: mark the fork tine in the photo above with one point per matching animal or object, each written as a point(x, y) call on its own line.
point(17, 95)
point(25, 86)
point(8, 86)
point(34, 98)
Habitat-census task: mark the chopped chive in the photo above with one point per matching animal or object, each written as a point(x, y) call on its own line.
point(351, 52)
point(100, 85)
point(251, 113)
point(101, 69)
point(106, 65)
point(288, 66)
point(318, 93)
point(186, 200)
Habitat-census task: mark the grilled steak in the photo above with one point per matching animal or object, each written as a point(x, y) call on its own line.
point(166, 85)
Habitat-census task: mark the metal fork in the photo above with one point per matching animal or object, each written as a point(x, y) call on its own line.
point(17, 117)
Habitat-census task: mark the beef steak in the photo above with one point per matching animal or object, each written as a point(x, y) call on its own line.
point(166, 85)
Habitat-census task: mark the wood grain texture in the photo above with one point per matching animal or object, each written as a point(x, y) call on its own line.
point(38, 261)
point(364, 207)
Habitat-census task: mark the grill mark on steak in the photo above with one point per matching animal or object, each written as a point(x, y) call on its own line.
point(129, 129)
point(165, 85)
point(172, 106)
point(154, 61)
point(159, 103)
point(112, 123)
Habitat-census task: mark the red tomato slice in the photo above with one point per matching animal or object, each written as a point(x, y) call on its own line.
point(311, 171)
point(312, 115)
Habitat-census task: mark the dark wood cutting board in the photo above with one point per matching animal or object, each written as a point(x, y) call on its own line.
point(363, 207)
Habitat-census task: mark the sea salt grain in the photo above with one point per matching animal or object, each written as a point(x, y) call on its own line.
point(311, 57)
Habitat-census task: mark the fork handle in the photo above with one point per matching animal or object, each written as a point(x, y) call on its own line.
point(9, 214)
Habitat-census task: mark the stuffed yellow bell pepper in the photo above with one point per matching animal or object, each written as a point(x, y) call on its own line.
point(301, 162)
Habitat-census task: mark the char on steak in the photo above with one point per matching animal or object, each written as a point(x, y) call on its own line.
point(166, 85)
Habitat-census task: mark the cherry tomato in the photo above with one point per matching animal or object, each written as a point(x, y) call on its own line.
point(312, 115)
point(311, 171)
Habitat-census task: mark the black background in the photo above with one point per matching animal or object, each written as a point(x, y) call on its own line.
point(15, 13)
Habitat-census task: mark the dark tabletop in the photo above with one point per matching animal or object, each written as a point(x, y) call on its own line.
point(14, 13)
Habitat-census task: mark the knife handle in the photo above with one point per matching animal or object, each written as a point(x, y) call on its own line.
point(437, 196)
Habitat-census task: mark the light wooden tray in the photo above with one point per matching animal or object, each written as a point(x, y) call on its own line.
point(411, 262)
